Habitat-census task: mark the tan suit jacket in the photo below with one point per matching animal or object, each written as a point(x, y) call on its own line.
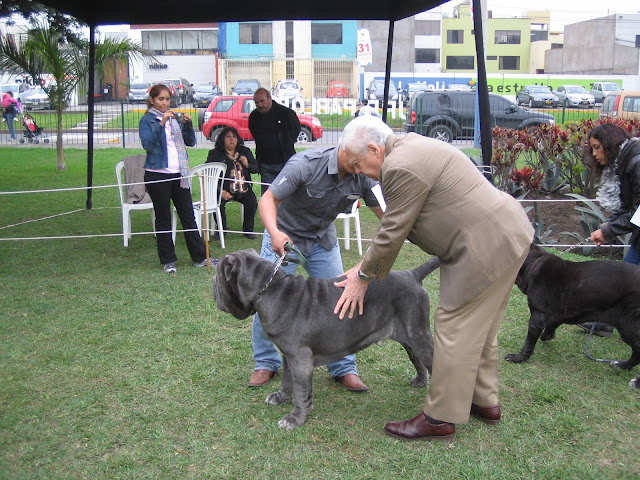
point(437, 198)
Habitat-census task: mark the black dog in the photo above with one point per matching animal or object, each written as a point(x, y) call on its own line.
point(559, 291)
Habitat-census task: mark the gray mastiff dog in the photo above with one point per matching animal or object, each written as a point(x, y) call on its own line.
point(297, 315)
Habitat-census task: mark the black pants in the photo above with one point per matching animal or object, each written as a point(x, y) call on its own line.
point(162, 193)
point(268, 172)
point(250, 204)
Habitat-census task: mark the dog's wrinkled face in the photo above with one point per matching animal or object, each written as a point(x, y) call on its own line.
point(230, 284)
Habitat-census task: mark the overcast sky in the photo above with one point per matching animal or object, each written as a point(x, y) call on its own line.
point(563, 12)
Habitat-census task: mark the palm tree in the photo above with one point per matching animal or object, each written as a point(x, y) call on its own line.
point(47, 53)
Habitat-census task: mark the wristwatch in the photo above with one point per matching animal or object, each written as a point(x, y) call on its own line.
point(363, 276)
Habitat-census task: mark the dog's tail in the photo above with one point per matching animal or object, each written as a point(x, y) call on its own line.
point(426, 268)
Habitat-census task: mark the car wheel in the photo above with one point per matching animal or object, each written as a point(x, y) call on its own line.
point(530, 103)
point(518, 100)
point(442, 133)
point(304, 135)
point(214, 134)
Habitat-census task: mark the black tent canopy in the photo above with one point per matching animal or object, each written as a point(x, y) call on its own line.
point(195, 11)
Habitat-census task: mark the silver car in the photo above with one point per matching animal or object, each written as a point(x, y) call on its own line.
point(139, 92)
point(574, 96)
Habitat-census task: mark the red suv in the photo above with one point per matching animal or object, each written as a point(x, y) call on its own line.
point(234, 111)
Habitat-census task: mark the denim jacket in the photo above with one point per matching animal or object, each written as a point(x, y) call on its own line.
point(154, 140)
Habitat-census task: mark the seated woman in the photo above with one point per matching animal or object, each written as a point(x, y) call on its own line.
point(230, 149)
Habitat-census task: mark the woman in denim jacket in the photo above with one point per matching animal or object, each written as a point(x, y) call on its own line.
point(165, 135)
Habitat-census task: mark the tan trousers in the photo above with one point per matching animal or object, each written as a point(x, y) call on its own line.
point(465, 357)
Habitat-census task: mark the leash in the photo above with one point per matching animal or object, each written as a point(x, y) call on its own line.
point(284, 260)
point(586, 347)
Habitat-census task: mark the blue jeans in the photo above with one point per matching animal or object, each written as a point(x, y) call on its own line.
point(9, 119)
point(632, 256)
point(322, 264)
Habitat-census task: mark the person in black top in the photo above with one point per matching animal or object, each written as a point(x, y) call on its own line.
point(229, 149)
point(275, 129)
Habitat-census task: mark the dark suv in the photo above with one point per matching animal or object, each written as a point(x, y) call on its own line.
point(449, 115)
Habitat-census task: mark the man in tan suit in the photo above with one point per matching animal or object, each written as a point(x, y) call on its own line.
point(437, 198)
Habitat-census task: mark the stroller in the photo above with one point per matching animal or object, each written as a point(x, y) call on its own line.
point(31, 130)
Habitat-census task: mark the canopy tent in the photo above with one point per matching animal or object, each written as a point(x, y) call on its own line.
point(195, 11)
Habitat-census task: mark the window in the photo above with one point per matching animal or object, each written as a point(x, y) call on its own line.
point(248, 106)
point(539, 35)
point(255, 33)
point(427, 27)
point(492, 57)
point(461, 62)
point(637, 41)
point(188, 41)
point(509, 63)
point(224, 105)
point(455, 36)
point(427, 55)
point(326, 34)
point(507, 37)
point(631, 104)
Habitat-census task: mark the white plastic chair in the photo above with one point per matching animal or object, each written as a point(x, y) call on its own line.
point(355, 214)
point(209, 177)
point(128, 207)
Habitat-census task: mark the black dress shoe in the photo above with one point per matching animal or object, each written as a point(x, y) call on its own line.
point(419, 428)
point(489, 415)
point(250, 236)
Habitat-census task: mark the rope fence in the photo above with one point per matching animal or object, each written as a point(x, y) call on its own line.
point(106, 235)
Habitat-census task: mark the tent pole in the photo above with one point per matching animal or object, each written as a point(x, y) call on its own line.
point(387, 72)
point(90, 102)
point(483, 89)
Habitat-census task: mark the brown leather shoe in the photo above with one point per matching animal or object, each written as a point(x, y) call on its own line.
point(489, 415)
point(419, 428)
point(261, 377)
point(352, 382)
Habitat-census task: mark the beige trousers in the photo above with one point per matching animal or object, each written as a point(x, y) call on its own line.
point(465, 357)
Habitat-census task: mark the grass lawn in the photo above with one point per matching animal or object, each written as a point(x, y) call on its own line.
point(112, 369)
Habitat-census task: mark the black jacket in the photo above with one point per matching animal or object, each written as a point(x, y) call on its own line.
point(628, 171)
point(287, 129)
point(216, 155)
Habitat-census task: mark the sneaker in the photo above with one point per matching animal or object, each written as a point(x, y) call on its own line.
point(212, 263)
point(170, 267)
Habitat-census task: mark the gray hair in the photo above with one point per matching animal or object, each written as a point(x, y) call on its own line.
point(362, 131)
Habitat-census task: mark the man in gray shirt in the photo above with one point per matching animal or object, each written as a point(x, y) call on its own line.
point(300, 207)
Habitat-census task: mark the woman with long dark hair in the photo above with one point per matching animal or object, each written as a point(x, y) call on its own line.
point(237, 186)
point(165, 136)
point(616, 158)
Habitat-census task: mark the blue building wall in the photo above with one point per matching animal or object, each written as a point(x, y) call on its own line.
point(345, 50)
point(230, 47)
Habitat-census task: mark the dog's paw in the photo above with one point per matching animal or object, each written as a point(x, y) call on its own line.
point(622, 364)
point(516, 357)
point(277, 398)
point(289, 422)
point(419, 382)
point(635, 383)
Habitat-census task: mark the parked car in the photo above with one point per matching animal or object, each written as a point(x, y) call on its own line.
point(536, 96)
point(139, 92)
point(450, 114)
point(183, 88)
point(287, 91)
point(38, 99)
point(458, 86)
point(599, 90)
point(204, 94)
point(574, 96)
point(411, 88)
point(375, 91)
point(176, 99)
point(622, 104)
point(245, 87)
point(337, 89)
point(234, 110)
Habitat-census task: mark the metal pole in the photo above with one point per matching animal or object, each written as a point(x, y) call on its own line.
point(122, 115)
point(387, 73)
point(483, 89)
point(90, 101)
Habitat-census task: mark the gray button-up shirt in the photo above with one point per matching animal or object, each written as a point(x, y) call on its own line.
point(311, 196)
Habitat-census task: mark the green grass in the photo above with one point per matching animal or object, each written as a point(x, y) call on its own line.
point(113, 370)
